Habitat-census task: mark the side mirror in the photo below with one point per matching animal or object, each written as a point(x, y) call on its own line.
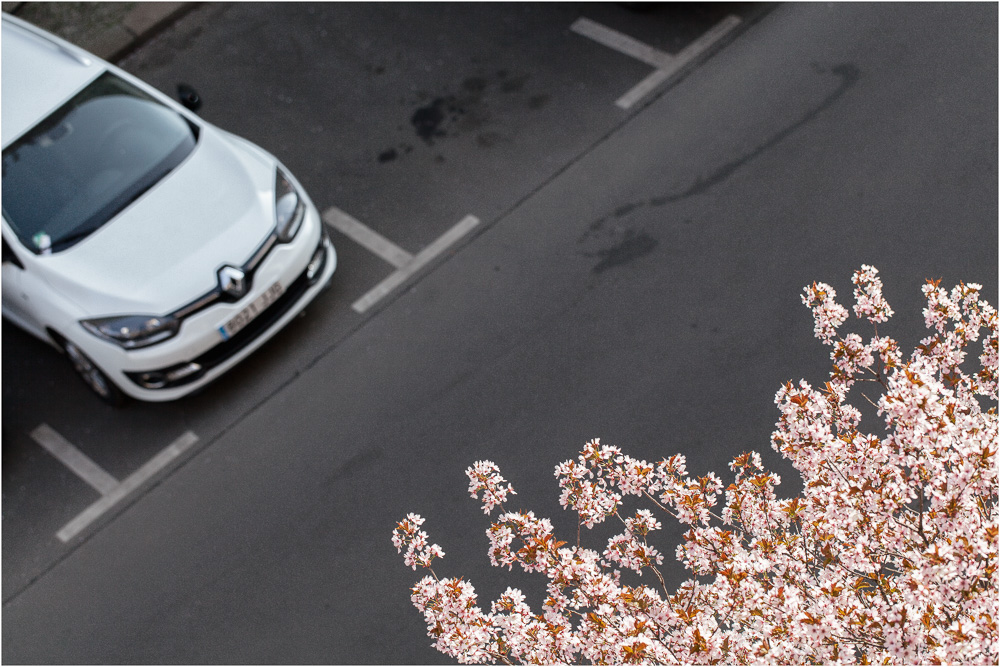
point(189, 97)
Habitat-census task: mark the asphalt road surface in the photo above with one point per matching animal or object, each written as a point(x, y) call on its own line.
point(634, 275)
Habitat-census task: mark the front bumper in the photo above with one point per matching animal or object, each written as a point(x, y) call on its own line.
point(188, 372)
point(199, 353)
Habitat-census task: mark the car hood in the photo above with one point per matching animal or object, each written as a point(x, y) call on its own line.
point(164, 250)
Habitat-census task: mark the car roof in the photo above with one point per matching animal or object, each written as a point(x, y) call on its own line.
point(39, 73)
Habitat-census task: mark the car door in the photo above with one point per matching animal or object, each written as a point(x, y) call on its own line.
point(17, 302)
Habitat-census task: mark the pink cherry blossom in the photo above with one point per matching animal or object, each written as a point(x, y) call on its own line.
point(484, 476)
point(869, 301)
point(888, 555)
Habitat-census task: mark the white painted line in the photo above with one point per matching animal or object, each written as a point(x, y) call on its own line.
point(74, 459)
point(665, 64)
point(710, 37)
point(369, 238)
point(398, 277)
point(690, 52)
point(644, 87)
point(130, 484)
point(621, 43)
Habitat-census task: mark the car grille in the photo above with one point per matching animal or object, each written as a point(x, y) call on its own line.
point(225, 350)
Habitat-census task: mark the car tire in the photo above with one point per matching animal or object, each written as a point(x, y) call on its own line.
point(92, 376)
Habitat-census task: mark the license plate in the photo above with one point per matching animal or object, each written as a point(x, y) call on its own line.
point(247, 315)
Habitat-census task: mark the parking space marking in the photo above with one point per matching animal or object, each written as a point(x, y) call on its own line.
point(369, 238)
point(74, 459)
point(621, 42)
point(128, 485)
point(665, 64)
point(400, 276)
point(690, 52)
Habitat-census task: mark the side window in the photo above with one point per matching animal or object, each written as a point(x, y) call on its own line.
point(9, 256)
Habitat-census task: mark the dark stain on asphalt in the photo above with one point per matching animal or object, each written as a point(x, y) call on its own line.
point(536, 102)
point(429, 120)
point(474, 84)
point(596, 231)
point(488, 139)
point(515, 84)
point(631, 248)
point(391, 154)
point(354, 465)
point(622, 211)
point(447, 115)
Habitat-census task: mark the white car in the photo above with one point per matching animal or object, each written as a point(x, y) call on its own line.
point(156, 250)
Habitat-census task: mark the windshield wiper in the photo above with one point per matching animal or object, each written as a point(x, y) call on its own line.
point(106, 214)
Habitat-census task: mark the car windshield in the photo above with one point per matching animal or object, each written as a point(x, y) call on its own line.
point(82, 165)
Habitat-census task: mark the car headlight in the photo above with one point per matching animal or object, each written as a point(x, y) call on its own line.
point(133, 331)
point(289, 209)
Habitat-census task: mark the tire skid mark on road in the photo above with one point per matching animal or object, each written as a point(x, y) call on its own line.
point(848, 74)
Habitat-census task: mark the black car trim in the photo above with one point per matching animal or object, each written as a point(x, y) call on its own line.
point(227, 349)
point(217, 294)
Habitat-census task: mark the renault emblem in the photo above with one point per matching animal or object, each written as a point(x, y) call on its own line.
point(232, 281)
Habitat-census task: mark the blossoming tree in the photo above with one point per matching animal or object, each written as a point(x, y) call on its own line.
point(889, 555)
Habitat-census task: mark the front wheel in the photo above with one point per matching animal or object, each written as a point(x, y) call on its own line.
point(93, 376)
